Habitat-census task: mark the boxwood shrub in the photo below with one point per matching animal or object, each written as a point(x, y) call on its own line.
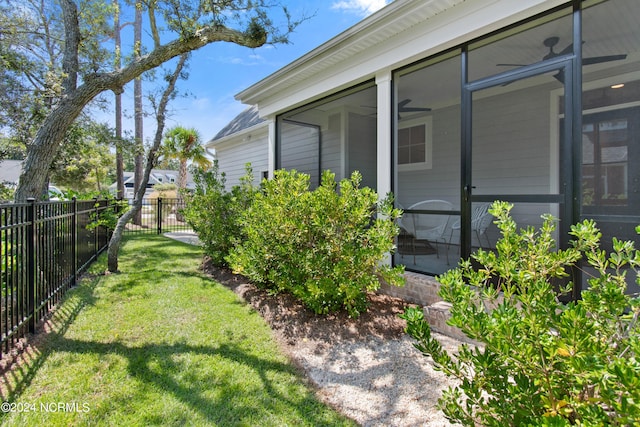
point(324, 246)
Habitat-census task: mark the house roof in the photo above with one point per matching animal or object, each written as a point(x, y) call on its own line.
point(245, 120)
point(159, 176)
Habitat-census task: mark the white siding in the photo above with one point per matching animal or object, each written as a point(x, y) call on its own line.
point(300, 150)
point(332, 146)
point(233, 158)
point(362, 142)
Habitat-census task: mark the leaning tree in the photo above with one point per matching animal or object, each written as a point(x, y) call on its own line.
point(82, 75)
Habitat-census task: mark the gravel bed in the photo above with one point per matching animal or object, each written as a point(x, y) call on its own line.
point(366, 368)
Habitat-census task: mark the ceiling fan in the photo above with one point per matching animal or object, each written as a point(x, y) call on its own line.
point(551, 42)
point(402, 107)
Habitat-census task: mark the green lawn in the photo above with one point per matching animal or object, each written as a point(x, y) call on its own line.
point(159, 344)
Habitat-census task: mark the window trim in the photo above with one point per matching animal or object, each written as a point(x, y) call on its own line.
point(427, 121)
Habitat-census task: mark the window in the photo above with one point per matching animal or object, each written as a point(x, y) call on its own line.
point(605, 162)
point(414, 144)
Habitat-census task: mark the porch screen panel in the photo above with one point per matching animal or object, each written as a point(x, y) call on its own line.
point(516, 142)
point(337, 133)
point(300, 145)
point(427, 161)
point(362, 151)
point(610, 151)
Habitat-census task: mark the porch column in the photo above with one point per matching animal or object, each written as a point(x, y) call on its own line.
point(383, 83)
point(271, 144)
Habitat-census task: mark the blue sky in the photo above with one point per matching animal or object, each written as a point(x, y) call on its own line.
point(219, 71)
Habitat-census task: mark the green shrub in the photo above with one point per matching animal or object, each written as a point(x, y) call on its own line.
point(540, 362)
point(323, 246)
point(6, 193)
point(107, 218)
point(214, 213)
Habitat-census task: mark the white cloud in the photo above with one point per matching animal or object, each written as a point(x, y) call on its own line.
point(361, 7)
point(249, 60)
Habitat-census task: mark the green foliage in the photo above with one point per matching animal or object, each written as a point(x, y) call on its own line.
point(214, 213)
point(323, 246)
point(163, 188)
point(108, 217)
point(85, 159)
point(540, 362)
point(6, 192)
point(185, 144)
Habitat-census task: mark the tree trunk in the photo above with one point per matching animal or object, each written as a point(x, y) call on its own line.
point(50, 135)
point(137, 108)
point(118, 106)
point(182, 184)
point(116, 238)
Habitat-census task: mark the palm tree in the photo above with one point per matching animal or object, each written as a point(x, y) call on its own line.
point(185, 145)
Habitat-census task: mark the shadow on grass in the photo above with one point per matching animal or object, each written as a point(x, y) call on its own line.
point(160, 365)
point(24, 366)
point(251, 388)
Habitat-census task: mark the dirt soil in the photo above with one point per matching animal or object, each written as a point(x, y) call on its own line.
point(366, 368)
point(293, 321)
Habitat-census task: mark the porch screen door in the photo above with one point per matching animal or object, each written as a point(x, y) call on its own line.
point(514, 149)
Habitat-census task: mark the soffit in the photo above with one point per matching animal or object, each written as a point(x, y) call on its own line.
point(395, 18)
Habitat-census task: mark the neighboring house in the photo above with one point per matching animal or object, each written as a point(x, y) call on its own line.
point(535, 102)
point(10, 171)
point(157, 176)
point(244, 140)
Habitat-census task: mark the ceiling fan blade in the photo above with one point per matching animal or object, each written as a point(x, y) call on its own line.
point(601, 59)
point(410, 109)
point(403, 103)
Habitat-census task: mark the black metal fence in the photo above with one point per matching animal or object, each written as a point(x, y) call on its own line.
point(159, 215)
point(44, 246)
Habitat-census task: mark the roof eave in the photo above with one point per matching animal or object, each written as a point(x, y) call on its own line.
point(250, 95)
point(221, 141)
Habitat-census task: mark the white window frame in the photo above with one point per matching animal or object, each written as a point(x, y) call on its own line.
point(427, 121)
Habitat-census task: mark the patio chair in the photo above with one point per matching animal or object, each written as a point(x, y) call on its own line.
point(480, 221)
point(425, 229)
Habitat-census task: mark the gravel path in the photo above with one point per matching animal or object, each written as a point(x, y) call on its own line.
point(377, 382)
point(367, 368)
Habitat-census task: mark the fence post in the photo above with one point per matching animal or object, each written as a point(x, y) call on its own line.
point(159, 215)
point(96, 240)
point(74, 240)
point(31, 263)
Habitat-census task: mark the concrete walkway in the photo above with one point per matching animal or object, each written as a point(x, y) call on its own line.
point(185, 236)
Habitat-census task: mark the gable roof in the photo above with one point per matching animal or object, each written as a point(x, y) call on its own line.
point(158, 176)
point(248, 118)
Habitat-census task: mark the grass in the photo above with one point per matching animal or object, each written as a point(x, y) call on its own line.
point(159, 344)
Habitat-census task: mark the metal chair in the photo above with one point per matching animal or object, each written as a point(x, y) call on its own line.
point(429, 228)
point(480, 221)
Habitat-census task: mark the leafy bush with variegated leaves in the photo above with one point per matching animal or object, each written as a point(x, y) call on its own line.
point(214, 213)
point(323, 246)
point(540, 362)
